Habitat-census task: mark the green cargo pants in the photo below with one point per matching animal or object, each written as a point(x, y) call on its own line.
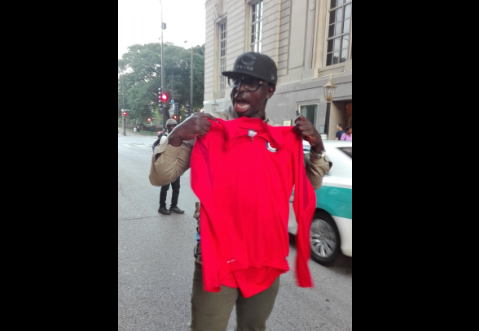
point(210, 311)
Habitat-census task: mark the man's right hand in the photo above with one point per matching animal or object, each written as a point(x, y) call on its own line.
point(194, 126)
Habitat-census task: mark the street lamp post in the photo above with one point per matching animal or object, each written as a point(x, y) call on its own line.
point(329, 88)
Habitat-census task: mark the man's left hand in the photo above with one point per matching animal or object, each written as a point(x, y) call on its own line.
point(309, 133)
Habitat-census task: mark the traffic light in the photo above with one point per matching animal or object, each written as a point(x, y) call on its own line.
point(164, 97)
point(175, 117)
point(125, 113)
point(160, 101)
point(148, 119)
point(148, 112)
point(188, 112)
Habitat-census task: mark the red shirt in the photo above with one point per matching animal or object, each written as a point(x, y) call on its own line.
point(244, 184)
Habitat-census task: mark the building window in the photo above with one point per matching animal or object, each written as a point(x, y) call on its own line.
point(339, 31)
point(309, 111)
point(256, 26)
point(222, 62)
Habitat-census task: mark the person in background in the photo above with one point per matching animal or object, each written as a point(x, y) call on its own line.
point(348, 134)
point(175, 185)
point(340, 131)
point(157, 141)
point(253, 81)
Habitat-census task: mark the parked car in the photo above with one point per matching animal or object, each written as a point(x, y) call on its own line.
point(331, 228)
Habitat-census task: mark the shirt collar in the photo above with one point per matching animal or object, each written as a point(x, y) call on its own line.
point(232, 115)
point(231, 132)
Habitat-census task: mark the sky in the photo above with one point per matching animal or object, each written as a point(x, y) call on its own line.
point(139, 22)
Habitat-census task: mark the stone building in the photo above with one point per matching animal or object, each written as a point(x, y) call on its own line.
point(310, 41)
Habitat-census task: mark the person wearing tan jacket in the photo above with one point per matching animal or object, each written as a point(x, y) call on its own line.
point(253, 82)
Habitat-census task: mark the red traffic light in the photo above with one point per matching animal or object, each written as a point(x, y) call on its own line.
point(125, 113)
point(148, 119)
point(175, 117)
point(164, 97)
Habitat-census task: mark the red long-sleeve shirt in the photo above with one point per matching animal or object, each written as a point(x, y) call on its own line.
point(244, 184)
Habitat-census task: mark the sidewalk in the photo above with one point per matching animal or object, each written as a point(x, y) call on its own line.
point(143, 133)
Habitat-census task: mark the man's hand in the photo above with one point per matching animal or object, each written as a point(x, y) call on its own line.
point(309, 133)
point(195, 125)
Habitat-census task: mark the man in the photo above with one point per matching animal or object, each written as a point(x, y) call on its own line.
point(157, 141)
point(175, 185)
point(340, 131)
point(253, 81)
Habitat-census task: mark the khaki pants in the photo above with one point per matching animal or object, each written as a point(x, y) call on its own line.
point(210, 311)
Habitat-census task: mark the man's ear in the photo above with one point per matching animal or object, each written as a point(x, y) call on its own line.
point(271, 91)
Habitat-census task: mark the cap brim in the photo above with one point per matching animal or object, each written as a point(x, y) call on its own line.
point(236, 73)
point(229, 73)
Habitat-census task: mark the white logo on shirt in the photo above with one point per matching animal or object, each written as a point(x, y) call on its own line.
point(271, 149)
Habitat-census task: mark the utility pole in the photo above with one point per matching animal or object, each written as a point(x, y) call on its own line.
point(191, 78)
point(123, 116)
point(165, 116)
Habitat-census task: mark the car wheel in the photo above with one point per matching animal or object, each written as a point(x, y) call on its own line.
point(325, 241)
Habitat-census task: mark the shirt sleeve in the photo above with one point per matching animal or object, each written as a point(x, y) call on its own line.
point(171, 163)
point(316, 168)
point(304, 205)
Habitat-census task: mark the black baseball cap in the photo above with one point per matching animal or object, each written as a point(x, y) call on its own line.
point(256, 65)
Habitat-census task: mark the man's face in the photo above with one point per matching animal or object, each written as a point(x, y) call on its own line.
point(170, 127)
point(249, 96)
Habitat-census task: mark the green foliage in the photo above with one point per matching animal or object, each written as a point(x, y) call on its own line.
point(139, 77)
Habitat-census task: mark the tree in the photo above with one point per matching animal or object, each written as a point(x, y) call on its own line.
point(141, 71)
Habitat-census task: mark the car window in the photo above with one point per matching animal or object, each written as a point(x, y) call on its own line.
point(347, 150)
point(342, 157)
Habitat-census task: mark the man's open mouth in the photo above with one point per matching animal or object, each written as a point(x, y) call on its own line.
point(241, 105)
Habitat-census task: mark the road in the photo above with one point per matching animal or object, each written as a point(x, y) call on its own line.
point(155, 261)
